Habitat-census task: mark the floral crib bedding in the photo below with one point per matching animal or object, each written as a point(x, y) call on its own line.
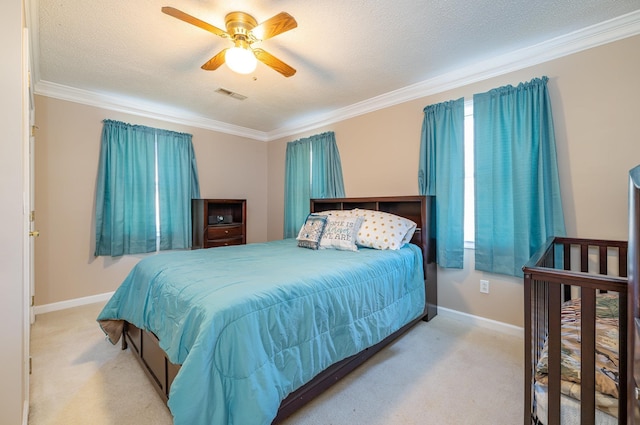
point(606, 378)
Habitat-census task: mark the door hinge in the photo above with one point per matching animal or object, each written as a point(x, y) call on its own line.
point(30, 365)
point(33, 300)
point(32, 216)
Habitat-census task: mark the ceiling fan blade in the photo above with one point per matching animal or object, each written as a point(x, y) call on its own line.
point(273, 62)
point(273, 26)
point(194, 21)
point(215, 62)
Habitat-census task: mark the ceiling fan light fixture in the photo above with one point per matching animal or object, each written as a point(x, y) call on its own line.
point(243, 30)
point(241, 60)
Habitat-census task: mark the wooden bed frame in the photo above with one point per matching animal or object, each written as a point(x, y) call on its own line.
point(568, 265)
point(145, 346)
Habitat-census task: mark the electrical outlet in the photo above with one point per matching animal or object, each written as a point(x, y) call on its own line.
point(484, 286)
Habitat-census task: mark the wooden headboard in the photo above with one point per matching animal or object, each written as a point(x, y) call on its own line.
point(416, 208)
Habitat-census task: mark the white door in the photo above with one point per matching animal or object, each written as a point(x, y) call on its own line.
point(31, 211)
point(29, 218)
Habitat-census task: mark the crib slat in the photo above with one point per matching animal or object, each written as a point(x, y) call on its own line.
point(584, 258)
point(603, 259)
point(566, 254)
point(567, 266)
point(587, 357)
point(622, 261)
point(553, 408)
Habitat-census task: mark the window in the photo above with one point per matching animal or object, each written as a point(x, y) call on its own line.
point(518, 201)
point(146, 180)
point(469, 198)
point(441, 174)
point(314, 159)
point(494, 131)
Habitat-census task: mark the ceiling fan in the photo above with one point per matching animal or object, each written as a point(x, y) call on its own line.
point(243, 30)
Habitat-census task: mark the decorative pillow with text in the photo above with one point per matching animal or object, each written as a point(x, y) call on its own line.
point(340, 233)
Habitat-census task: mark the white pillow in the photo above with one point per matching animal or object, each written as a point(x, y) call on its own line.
point(382, 230)
point(340, 233)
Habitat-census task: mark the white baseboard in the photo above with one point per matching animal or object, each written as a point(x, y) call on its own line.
point(77, 302)
point(482, 322)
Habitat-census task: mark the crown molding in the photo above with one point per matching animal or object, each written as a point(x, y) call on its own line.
point(143, 109)
point(605, 32)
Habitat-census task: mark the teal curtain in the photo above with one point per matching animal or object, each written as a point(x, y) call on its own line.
point(441, 173)
point(177, 185)
point(297, 186)
point(517, 189)
point(312, 170)
point(126, 189)
point(326, 167)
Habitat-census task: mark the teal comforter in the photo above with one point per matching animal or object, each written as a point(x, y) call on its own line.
point(250, 324)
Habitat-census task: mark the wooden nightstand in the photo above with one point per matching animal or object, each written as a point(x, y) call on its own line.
point(218, 222)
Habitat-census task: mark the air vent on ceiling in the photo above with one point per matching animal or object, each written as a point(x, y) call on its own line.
point(231, 94)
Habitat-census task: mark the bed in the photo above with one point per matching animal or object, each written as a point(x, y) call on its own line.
point(581, 322)
point(223, 347)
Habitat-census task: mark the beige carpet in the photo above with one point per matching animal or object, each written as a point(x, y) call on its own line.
point(441, 372)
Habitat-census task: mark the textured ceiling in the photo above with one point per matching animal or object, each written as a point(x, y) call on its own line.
point(345, 51)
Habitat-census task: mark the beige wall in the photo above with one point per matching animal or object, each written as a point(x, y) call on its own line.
point(594, 95)
point(67, 152)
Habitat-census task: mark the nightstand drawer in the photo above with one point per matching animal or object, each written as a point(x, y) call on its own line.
point(224, 242)
point(224, 232)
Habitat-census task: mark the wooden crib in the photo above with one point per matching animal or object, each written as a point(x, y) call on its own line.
point(566, 269)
